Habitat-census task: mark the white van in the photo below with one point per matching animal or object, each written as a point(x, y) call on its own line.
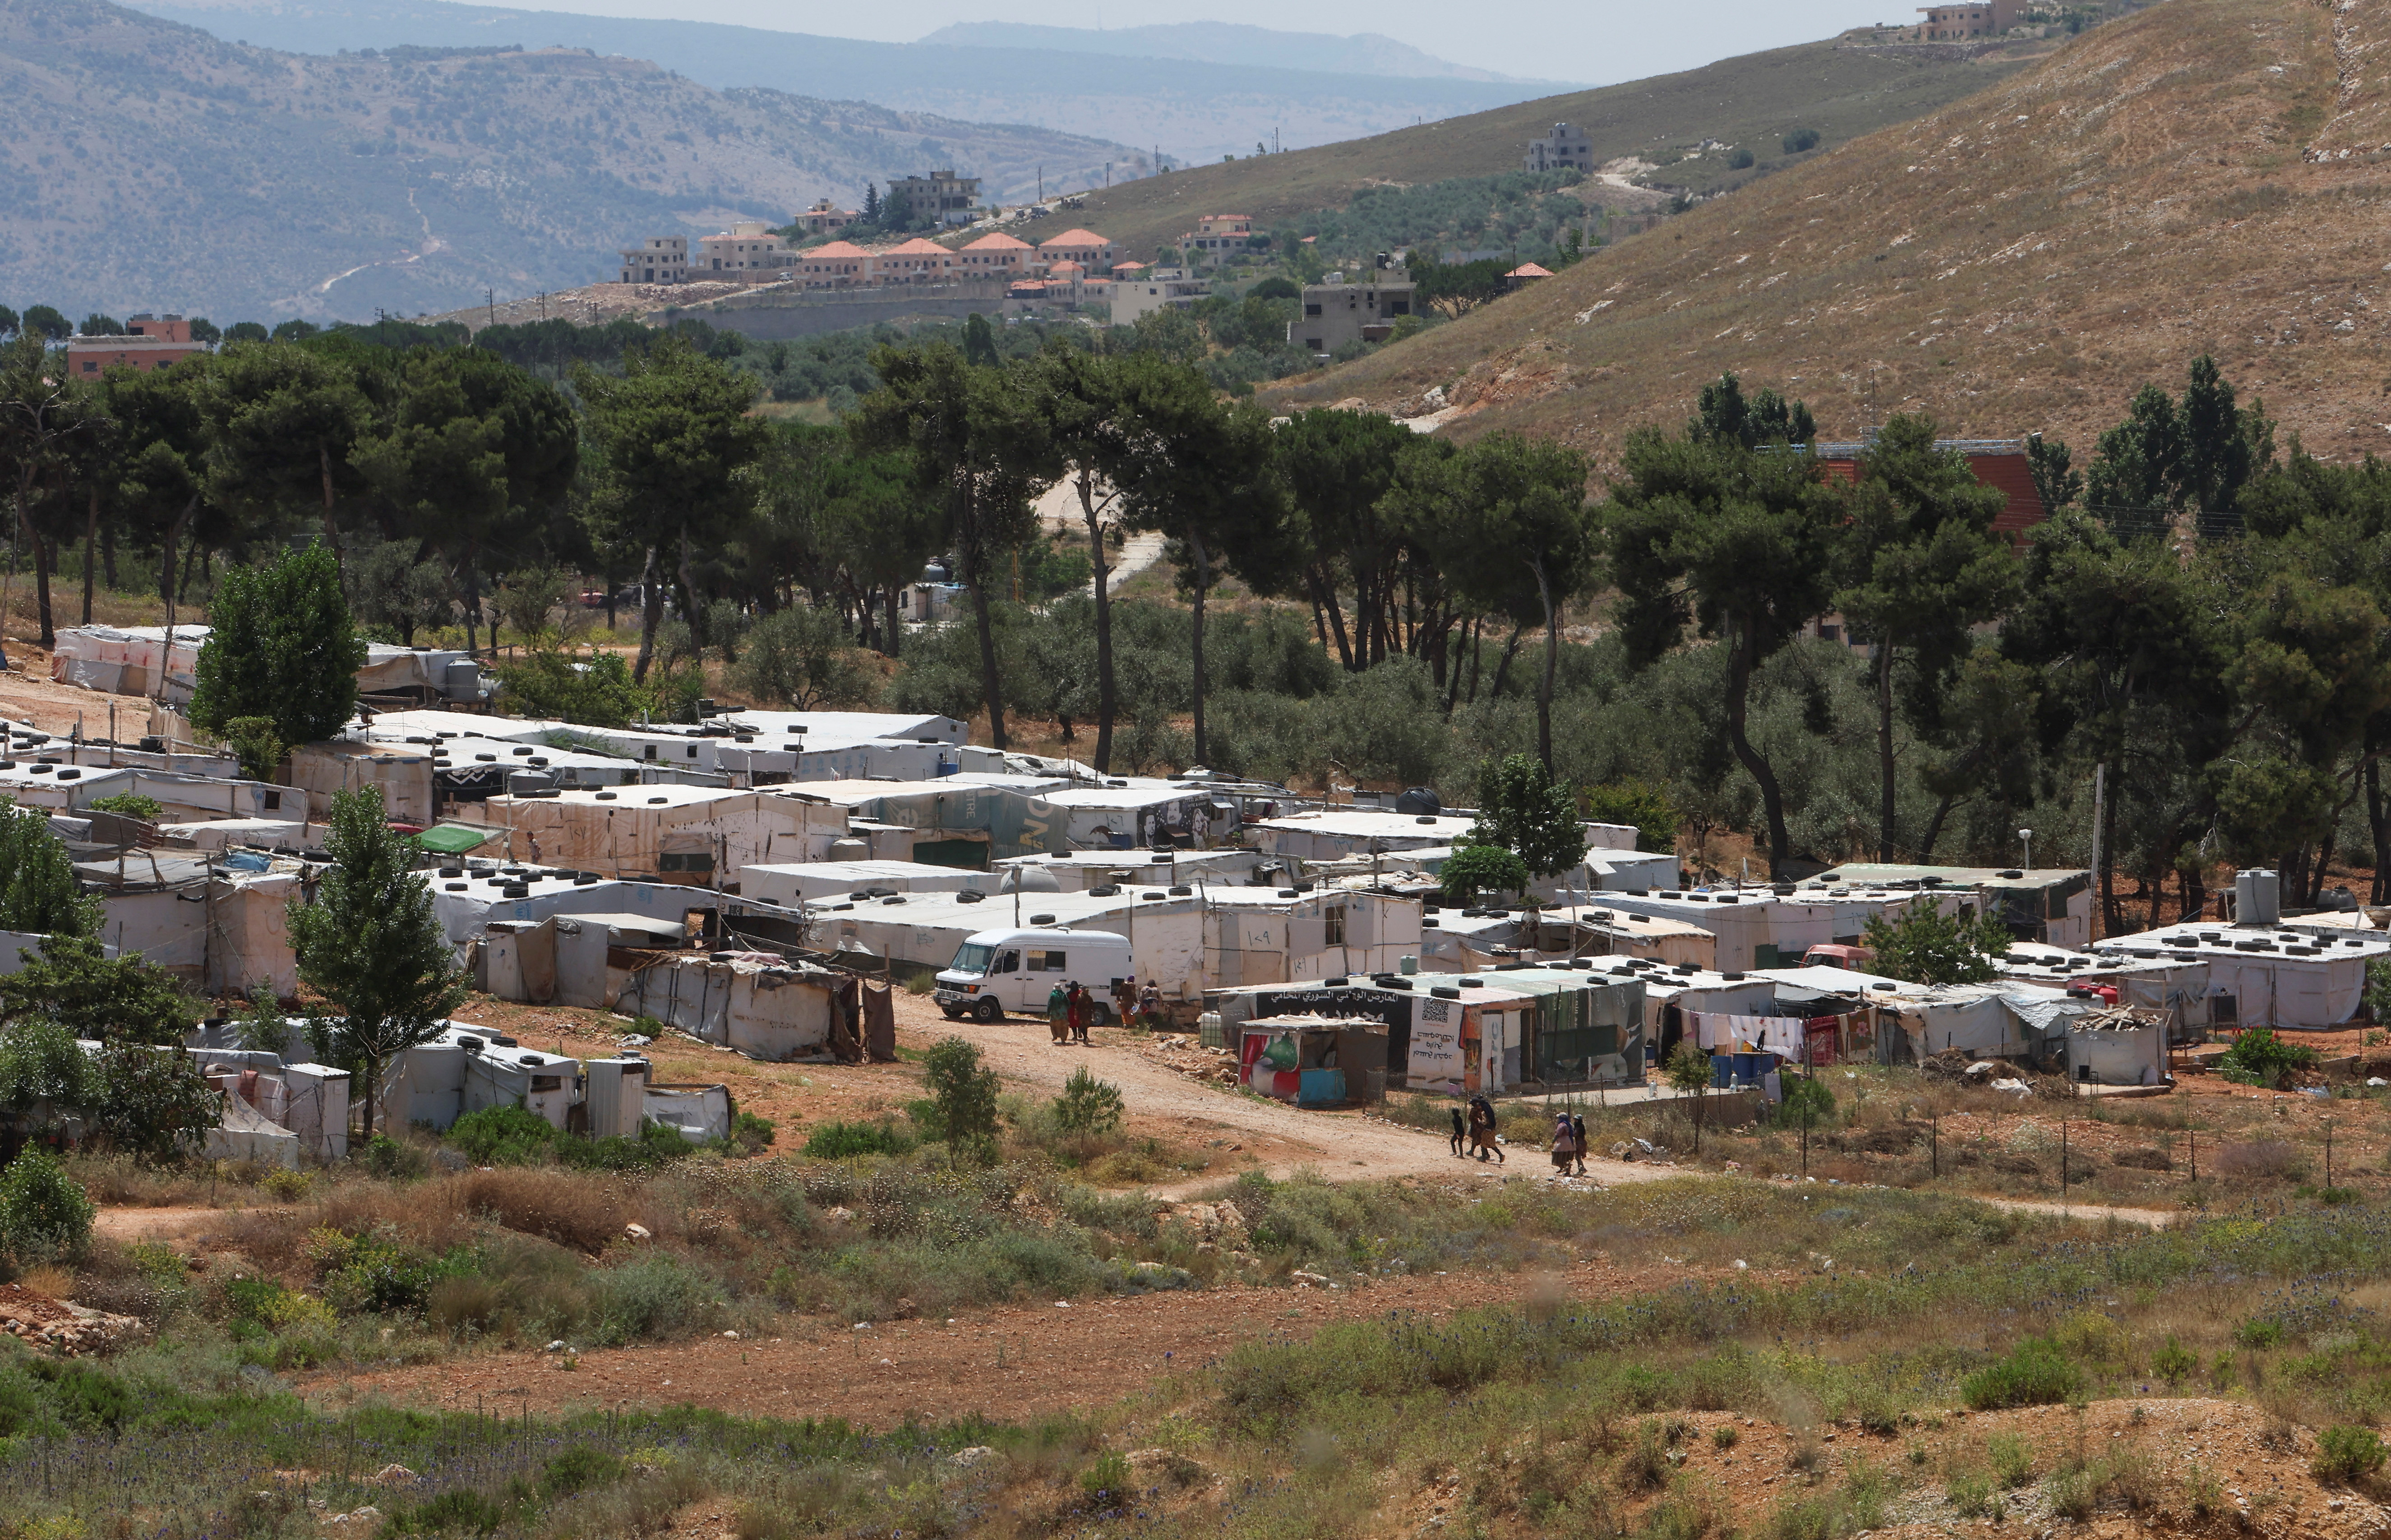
point(996, 971)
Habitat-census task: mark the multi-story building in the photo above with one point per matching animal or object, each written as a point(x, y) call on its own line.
point(1215, 236)
point(917, 261)
point(1981, 18)
point(1337, 313)
point(1143, 291)
point(942, 197)
point(840, 264)
point(1087, 249)
point(664, 259)
point(153, 342)
point(997, 255)
point(749, 250)
point(821, 218)
point(1565, 149)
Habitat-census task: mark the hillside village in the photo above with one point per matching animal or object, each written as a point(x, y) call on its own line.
point(909, 869)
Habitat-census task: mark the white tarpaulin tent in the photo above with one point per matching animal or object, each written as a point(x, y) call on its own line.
point(752, 1002)
point(125, 660)
point(689, 833)
point(2260, 975)
point(248, 1134)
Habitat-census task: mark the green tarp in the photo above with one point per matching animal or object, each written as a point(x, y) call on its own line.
point(451, 840)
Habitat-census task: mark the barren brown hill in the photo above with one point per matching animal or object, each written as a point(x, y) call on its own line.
point(2207, 175)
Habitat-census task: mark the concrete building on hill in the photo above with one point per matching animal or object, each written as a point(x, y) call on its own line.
point(1142, 293)
point(1979, 19)
point(941, 198)
point(821, 219)
point(1565, 149)
point(1215, 236)
point(662, 259)
point(1337, 313)
point(748, 250)
point(153, 342)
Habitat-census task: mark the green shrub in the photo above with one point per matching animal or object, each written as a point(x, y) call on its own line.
point(652, 1296)
point(2259, 1058)
point(963, 1098)
point(2173, 1363)
point(43, 1210)
point(2073, 1496)
point(1808, 1103)
point(2346, 1454)
point(504, 1136)
point(1087, 1105)
point(2034, 1374)
point(376, 1274)
point(2259, 1332)
point(463, 1512)
point(578, 1468)
point(2013, 1460)
point(1107, 1480)
point(1974, 1496)
point(844, 1141)
point(750, 1134)
point(129, 804)
point(1799, 139)
point(386, 1157)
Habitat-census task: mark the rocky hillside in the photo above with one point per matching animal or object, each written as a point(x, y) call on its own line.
point(2205, 175)
point(145, 164)
point(1747, 102)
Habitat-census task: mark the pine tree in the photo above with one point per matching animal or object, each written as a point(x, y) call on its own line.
point(284, 647)
point(39, 895)
point(370, 945)
point(871, 202)
point(1522, 809)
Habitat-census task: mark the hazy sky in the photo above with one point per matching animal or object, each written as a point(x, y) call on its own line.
point(1595, 41)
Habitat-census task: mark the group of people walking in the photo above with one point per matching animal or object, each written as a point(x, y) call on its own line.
point(1476, 1130)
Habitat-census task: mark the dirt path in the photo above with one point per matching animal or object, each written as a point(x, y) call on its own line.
point(1011, 1364)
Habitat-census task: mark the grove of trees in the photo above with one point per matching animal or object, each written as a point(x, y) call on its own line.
point(2197, 627)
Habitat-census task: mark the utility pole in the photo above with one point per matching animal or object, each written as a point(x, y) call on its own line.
point(490, 297)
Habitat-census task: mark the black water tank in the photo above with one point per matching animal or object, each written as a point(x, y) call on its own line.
point(1419, 800)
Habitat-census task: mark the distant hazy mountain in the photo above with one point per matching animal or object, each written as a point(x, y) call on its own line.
point(1222, 43)
point(146, 165)
point(1191, 108)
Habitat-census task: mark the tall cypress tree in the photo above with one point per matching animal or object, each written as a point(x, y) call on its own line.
point(371, 945)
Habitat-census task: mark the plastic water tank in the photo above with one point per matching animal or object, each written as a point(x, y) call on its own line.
point(2257, 897)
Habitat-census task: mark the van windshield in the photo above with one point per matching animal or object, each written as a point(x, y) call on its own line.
point(971, 959)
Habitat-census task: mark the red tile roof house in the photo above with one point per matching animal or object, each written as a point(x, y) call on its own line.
point(994, 257)
point(1084, 247)
point(917, 261)
point(840, 264)
point(1525, 273)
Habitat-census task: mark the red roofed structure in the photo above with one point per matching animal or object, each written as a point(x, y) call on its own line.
point(1084, 247)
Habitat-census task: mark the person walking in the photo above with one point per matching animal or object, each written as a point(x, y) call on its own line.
point(1577, 1123)
point(1459, 1133)
point(1058, 1016)
point(1078, 1003)
point(1125, 1001)
point(1564, 1143)
point(1149, 1006)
